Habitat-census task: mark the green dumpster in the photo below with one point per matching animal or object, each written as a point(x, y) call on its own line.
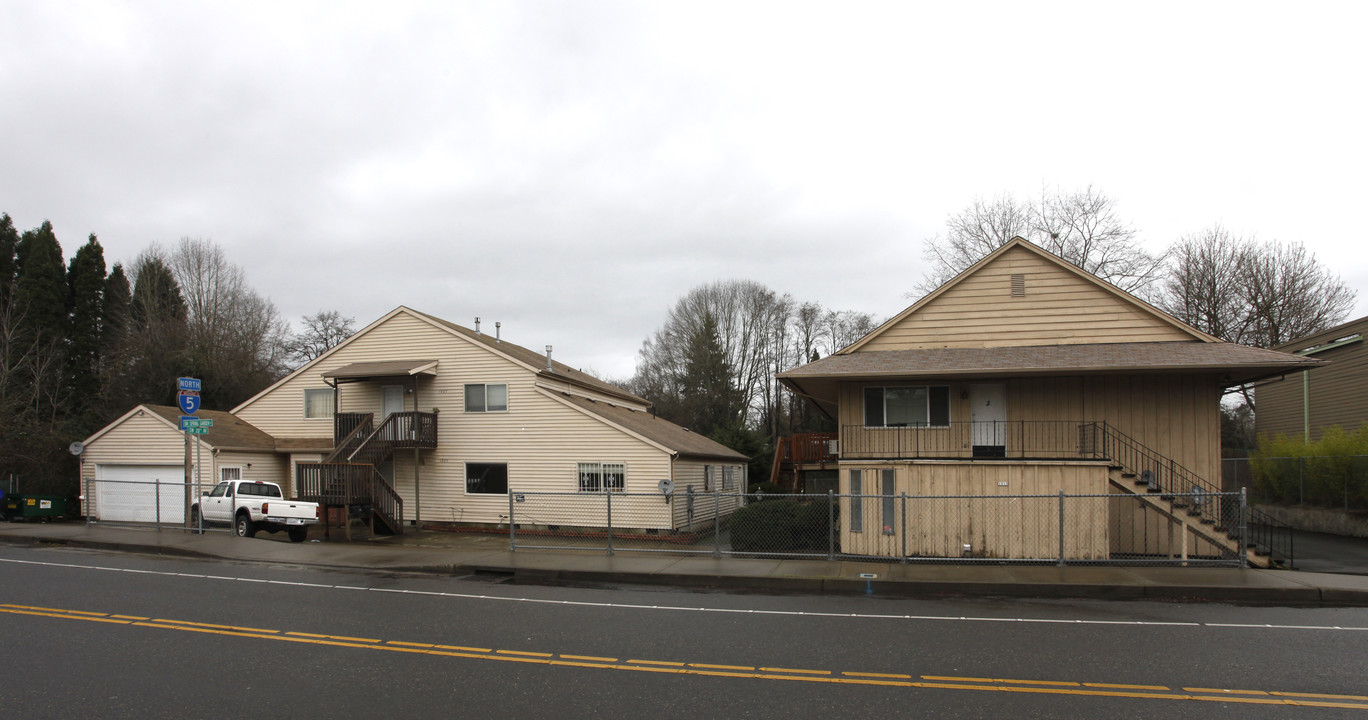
point(24, 507)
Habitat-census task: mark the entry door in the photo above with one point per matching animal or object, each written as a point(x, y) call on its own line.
point(392, 401)
point(988, 419)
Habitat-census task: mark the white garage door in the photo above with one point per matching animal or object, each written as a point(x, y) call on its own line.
point(128, 493)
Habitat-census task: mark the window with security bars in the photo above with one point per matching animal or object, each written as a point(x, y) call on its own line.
point(728, 477)
point(600, 477)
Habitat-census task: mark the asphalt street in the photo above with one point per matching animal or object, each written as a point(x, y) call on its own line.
point(110, 635)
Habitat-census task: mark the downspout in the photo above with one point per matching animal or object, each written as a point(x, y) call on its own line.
point(417, 487)
point(1306, 406)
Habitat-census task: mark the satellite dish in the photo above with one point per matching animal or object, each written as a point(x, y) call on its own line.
point(666, 486)
point(76, 448)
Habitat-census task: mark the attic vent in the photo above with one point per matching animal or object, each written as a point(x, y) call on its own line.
point(1018, 285)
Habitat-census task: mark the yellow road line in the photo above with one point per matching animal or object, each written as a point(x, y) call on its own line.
point(1047, 687)
point(334, 637)
point(795, 670)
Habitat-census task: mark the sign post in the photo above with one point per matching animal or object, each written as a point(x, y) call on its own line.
point(188, 399)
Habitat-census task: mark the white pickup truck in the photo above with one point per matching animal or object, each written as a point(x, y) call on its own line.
point(252, 505)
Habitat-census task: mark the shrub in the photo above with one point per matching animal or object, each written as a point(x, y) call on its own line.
point(783, 525)
point(1332, 471)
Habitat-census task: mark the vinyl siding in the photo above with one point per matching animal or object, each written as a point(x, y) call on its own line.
point(688, 474)
point(1338, 392)
point(137, 440)
point(1058, 308)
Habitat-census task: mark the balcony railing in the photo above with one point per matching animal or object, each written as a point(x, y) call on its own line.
point(1005, 439)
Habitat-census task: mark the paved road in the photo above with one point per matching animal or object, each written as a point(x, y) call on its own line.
point(122, 636)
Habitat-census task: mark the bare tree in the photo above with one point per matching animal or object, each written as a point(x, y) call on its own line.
point(1252, 293)
point(1082, 227)
point(322, 331)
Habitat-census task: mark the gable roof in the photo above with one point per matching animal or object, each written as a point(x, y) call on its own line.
point(532, 361)
point(658, 431)
point(227, 432)
point(1119, 307)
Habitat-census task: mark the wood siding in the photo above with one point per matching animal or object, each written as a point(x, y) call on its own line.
point(1177, 416)
point(1338, 392)
point(1056, 308)
point(1014, 528)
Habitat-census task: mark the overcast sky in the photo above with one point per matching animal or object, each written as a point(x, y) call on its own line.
point(572, 168)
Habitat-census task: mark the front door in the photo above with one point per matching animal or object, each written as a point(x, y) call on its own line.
point(391, 401)
point(988, 419)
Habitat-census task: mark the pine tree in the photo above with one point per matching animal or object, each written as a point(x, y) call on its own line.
point(9, 241)
point(711, 401)
point(86, 283)
point(114, 315)
point(41, 288)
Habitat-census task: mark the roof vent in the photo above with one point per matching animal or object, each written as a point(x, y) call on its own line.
point(477, 326)
point(548, 359)
point(1018, 285)
point(498, 331)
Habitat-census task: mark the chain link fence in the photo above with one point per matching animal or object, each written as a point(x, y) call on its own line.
point(1334, 482)
point(154, 504)
point(1113, 528)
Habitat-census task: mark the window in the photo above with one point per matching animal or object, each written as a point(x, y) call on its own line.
point(907, 406)
point(487, 478)
point(707, 478)
point(856, 502)
point(318, 403)
point(728, 477)
point(890, 485)
point(486, 398)
point(219, 490)
point(598, 477)
point(229, 474)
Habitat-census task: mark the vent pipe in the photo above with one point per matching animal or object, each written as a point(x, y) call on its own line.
point(498, 331)
point(548, 358)
point(477, 326)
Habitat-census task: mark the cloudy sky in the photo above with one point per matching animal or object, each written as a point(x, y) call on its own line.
point(572, 168)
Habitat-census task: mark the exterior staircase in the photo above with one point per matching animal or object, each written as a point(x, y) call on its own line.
point(350, 476)
point(1188, 500)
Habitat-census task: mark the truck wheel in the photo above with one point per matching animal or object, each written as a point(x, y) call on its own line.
point(244, 526)
point(298, 534)
point(194, 519)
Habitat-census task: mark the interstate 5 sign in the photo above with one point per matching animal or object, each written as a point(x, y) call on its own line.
point(189, 402)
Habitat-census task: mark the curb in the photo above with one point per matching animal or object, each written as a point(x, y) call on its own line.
point(1302, 596)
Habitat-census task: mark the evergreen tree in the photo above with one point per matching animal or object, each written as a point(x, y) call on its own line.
point(86, 283)
point(41, 288)
point(709, 398)
point(150, 351)
point(9, 240)
point(114, 315)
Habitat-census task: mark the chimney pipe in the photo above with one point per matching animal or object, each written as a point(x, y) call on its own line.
point(498, 327)
point(548, 358)
point(477, 326)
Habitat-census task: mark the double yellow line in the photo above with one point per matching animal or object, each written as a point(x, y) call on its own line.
point(942, 682)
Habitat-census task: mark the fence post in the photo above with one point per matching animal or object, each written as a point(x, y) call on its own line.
point(831, 524)
point(904, 529)
point(717, 523)
point(158, 489)
point(608, 496)
point(87, 503)
point(1244, 538)
point(1061, 528)
point(512, 539)
point(1301, 481)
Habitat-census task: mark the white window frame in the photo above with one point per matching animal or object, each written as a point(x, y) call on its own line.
point(599, 472)
point(223, 468)
point(332, 403)
point(484, 403)
point(728, 477)
point(465, 479)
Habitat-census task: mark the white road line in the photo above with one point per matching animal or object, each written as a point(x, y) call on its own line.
point(736, 611)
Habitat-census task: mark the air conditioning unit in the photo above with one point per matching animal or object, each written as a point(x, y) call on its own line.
point(834, 447)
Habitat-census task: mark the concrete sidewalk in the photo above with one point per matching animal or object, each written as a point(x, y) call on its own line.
point(469, 553)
